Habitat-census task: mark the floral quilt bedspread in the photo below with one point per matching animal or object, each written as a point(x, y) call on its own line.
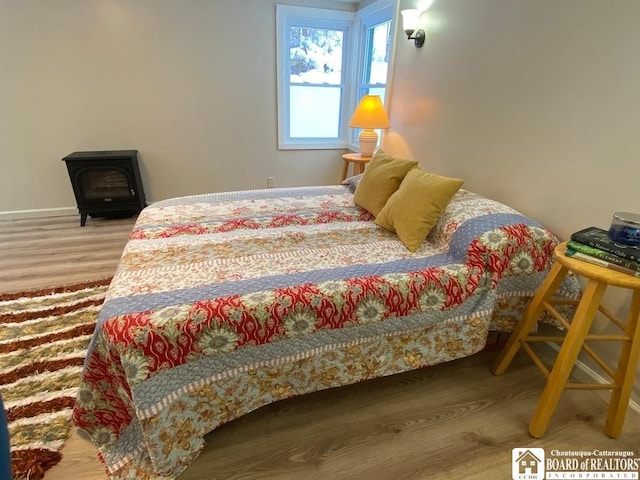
point(223, 303)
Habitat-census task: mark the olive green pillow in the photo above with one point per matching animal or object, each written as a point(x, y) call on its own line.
point(381, 178)
point(414, 209)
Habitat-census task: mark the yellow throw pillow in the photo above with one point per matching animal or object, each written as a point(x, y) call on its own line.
point(414, 209)
point(381, 178)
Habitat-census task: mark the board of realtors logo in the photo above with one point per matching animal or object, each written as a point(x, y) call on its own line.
point(527, 463)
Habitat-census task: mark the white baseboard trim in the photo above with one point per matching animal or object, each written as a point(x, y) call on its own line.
point(595, 376)
point(43, 212)
point(39, 212)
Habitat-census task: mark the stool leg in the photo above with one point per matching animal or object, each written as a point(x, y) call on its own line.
point(566, 359)
point(625, 374)
point(345, 169)
point(534, 310)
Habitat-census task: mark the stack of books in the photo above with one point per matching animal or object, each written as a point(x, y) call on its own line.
point(593, 245)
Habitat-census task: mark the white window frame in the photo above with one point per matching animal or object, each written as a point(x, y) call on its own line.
point(354, 25)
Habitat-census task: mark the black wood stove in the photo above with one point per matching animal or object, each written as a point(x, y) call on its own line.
point(106, 183)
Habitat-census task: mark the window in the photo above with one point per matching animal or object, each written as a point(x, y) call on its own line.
point(312, 74)
point(375, 52)
point(320, 79)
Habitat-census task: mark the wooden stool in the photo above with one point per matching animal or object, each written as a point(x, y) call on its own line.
point(358, 163)
point(599, 278)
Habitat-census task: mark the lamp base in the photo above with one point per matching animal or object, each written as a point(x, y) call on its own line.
point(367, 141)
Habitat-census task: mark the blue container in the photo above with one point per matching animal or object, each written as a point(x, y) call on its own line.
point(625, 228)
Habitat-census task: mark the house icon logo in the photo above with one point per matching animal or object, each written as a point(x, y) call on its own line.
point(527, 463)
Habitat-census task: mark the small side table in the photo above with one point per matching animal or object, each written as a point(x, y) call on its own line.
point(358, 163)
point(577, 334)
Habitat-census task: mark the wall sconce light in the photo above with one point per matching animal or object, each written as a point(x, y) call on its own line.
point(410, 23)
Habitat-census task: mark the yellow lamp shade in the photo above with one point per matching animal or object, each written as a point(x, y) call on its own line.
point(370, 114)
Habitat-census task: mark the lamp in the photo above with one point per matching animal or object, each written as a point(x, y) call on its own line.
point(370, 114)
point(410, 23)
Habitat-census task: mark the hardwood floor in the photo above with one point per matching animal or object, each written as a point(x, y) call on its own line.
point(449, 421)
point(43, 252)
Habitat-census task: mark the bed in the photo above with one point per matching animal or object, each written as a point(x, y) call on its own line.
point(223, 303)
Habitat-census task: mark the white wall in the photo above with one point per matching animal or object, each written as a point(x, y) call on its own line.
point(191, 84)
point(533, 102)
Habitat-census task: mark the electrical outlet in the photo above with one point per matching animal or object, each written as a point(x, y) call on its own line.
point(271, 182)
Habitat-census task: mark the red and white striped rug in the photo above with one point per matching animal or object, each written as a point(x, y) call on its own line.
point(44, 336)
